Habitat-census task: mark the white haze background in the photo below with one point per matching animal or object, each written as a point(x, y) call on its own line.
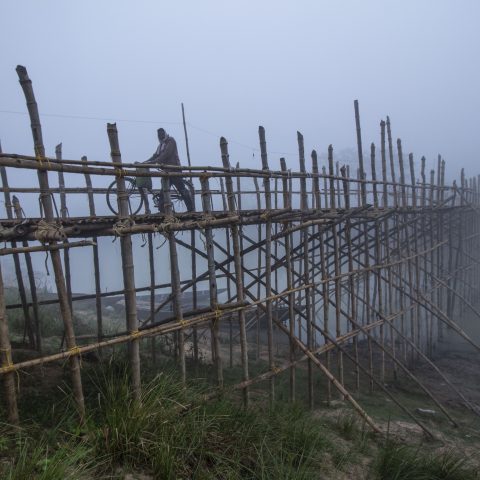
point(286, 65)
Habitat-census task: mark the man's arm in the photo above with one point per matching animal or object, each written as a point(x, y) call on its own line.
point(152, 159)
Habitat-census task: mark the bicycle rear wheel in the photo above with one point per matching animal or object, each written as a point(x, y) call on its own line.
point(134, 195)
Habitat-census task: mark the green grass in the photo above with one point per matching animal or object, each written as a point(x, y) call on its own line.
point(172, 433)
point(407, 462)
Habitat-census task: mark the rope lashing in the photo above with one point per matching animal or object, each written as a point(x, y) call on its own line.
point(49, 231)
point(8, 357)
point(75, 352)
point(135, 334)
point(120, 172)
point(122, 227)
point(168, 222)
point(9, 367)
point(41, 159)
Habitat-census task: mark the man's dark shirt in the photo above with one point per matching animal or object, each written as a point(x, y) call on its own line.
point(166, 154)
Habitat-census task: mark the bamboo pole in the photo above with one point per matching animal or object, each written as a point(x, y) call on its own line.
point(127, 265)
point(46, 201)
point(229, 290)
point(378, 259)
point(6, 361)
point(306, 270)
point(175, 280)
point(235, 234)
point(259, 267)
point(387, 243)
point(268, 260)
point(212, 285)
point(31, 280)
point(64, 214)
point(336, 261)
point(289, 280)
point(351, 287)
point(29, 328)
point(96, 262)
point(324, 276)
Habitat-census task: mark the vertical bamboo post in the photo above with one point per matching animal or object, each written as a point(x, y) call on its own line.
point(360, 151)
point(336, 262)
point(289, 279)
point(406, 232)
point(46, 200)
point(238, 269)
point(392, 163)
point(175, 277)
point(193, 255)
point(186, 136)
point(423, 236)
point(259, 267)
point(206, 204)
point(29, 328)
point(324, 274)
point(387, 244)
point(378, 259)
point(127, 264)
point(6, 361)
point(268, 259)
point(306, 265)
point(229, 290)
point(416, 310)
point(351, 281)
point(96, 261)
point(31, 280)
point(64, 214)
point(433, 262)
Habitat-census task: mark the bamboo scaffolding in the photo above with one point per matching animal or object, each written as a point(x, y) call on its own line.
point(380, 266)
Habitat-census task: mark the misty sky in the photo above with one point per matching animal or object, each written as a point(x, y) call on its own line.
point(235, 65)
point(282, 64)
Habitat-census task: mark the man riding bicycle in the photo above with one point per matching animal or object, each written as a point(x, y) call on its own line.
point(167, 154)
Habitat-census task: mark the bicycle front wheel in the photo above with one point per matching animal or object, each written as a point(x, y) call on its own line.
point(134, 196)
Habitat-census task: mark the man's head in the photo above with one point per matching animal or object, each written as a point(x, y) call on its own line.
point(162, 134)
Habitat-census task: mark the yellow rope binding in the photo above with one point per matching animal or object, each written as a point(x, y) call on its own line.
point(8, 359)
point(120, 172)
point(135, 334)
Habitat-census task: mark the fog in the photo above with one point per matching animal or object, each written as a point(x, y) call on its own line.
point(235, 65)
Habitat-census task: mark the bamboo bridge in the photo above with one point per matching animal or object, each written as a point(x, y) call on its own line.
point(305, 266)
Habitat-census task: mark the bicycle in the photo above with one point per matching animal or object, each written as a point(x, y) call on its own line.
point(137, 190)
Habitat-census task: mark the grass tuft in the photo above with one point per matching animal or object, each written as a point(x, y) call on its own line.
point(405, 462)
